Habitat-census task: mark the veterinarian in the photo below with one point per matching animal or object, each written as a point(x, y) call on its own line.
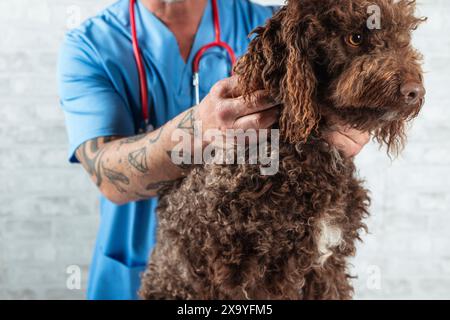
point(100, 94)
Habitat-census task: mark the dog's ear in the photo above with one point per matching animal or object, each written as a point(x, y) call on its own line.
point(277, 61)
point(300, 115)
point(263, 64)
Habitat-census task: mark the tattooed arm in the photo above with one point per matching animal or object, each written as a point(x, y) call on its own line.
point(136, 168)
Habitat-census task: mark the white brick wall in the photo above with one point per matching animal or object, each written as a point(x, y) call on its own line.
point(48, 209)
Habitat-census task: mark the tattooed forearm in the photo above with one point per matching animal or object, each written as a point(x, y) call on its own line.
point(140, 137)
point(187, 122)
point(182, 155)
point(90, 155)
point(158, 136)
point(157, 186)
point(134, 168)
point(139, 196)
point(133, 139)
point(138, 160)
point(117, 179)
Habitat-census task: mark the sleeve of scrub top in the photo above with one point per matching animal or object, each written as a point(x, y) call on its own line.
point(92, 106)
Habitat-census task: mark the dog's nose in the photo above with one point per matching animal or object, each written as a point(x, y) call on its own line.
point(413, 92)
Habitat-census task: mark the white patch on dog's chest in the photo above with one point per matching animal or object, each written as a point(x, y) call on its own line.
point(329, 237)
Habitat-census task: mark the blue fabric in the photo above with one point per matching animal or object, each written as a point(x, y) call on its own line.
point(98, 84)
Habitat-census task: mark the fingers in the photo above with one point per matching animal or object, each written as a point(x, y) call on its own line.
point(258, 102)
point(224, 108)
point(348, 140)
point(227, 88)
point(229, 96)
point(344, 144)
point(260, 120)
point(231, 110)
point(358, 137)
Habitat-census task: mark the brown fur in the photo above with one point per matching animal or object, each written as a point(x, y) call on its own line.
point(228, 232)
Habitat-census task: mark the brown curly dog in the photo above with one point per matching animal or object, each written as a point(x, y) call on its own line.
point(229, 232)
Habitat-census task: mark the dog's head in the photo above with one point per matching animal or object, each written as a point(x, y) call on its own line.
point(350, 60)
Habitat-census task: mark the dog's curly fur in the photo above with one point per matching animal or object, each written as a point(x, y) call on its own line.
point(228, 232)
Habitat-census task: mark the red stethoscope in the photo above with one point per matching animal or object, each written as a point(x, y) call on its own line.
point(195, 65)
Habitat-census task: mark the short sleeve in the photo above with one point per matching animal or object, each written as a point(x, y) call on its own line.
point(92, 106)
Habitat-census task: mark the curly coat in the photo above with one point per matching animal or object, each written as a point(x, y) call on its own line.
point(228, 232)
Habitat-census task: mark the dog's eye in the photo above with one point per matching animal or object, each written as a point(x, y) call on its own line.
point(354, 40)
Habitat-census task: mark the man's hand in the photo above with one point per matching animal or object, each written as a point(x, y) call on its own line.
point(223, 108)
point(349, 141)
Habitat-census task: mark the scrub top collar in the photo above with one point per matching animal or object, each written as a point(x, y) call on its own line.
point(153, 33)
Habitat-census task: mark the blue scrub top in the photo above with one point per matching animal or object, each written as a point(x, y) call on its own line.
point(99, 92)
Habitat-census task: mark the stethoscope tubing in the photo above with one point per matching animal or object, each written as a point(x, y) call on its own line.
point(143, 87)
